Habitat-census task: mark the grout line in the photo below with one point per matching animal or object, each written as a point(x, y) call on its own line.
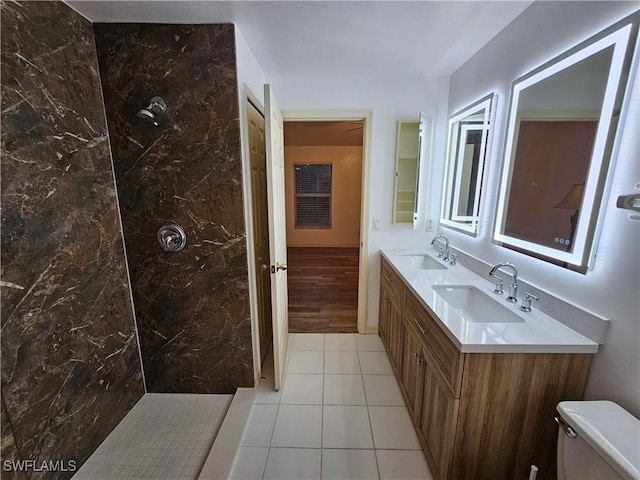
point(264, 467)
point(273, 428)
point(275, 421)
point(373, 439)
point(375, 453)
point(323, 404)
point(368, 413)
point(342, 448)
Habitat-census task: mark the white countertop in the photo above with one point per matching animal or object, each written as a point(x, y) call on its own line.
point(537, 333)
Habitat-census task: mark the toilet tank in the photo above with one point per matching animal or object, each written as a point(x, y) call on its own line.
point(606, 445)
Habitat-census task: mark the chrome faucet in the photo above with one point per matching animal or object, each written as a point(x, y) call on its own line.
point(443, 254)
point(526, 302)
point(513, 288)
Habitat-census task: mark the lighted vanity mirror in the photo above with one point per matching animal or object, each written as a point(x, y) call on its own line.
point(561, 133)
point(413, 161)
point(467, 145)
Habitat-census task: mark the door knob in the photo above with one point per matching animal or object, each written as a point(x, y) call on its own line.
point(281, 266)
point(264, 267)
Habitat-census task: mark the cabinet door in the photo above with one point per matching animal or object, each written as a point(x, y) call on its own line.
point(412, 368)
point(384, 315)
point(438, 422)
point(444, 356)
point(390, 326)
point(395, 335)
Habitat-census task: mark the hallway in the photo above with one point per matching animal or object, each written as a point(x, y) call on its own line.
point(323, 289)
point(340, 415)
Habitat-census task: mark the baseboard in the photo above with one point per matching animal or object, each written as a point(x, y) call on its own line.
point(371, 330)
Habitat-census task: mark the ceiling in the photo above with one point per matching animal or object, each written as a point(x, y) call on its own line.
point(336, 38)
point(335, 134)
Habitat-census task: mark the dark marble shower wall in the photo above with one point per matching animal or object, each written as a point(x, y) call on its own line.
point(70, 359)
point(192, 306)
point(8, 442)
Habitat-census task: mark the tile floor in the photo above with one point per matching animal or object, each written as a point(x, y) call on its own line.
point(339, 415)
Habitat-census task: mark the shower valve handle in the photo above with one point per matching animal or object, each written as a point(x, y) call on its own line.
point(171, 238)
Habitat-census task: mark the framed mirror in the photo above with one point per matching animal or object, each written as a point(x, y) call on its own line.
point(413, 160)
point(468, 138)
point(561, 132)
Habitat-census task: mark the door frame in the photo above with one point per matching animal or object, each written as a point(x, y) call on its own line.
point(367, 140)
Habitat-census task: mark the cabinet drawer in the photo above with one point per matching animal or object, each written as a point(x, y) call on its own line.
point(392, 281)
point(446, 358)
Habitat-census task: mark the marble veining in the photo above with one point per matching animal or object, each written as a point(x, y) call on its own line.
point(70, 359)
point(192, 306)
point(8, 443)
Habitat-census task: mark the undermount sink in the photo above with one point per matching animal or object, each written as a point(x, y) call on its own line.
point(475, 306)
point(424, 262)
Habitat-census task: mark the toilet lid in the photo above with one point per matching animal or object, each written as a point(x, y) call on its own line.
point(610, 430)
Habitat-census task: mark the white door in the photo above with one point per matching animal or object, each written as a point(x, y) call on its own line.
point(258, 163)
point(277, 232)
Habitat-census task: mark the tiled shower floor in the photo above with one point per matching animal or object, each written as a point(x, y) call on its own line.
point(339, 415)
point(166, 436)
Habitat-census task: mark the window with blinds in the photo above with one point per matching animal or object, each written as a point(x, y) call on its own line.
point(313, 195)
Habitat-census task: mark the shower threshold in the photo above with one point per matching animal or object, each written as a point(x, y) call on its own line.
point(165, 435)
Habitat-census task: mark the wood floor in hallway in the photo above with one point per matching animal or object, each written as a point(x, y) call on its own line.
point(323, 289)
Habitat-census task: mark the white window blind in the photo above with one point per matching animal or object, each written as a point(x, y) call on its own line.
point(313, 195)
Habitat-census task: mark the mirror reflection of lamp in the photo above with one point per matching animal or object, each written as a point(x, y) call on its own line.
point(572, 201)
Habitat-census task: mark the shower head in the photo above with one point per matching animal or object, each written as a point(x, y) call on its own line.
point(157, 107)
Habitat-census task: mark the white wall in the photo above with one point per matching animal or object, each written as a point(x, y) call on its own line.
point(390, 100)
point(612, 288)
point(250, 76)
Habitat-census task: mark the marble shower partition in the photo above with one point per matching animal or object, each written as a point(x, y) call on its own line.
point(8, 442)
point(192, 306)
point(70, 360)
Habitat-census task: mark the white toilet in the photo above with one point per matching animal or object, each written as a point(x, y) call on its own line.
point(597, 441)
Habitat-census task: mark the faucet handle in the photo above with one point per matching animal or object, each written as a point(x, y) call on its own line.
point(499, 287)
point(526, 302)
point(453, 259)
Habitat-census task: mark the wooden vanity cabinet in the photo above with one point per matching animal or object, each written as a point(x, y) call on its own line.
point(507, 409)
point(443, 355)
point(412, 373)
point(431, 380)
point(438, 422)
point(390, 319)
point(478, 415)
